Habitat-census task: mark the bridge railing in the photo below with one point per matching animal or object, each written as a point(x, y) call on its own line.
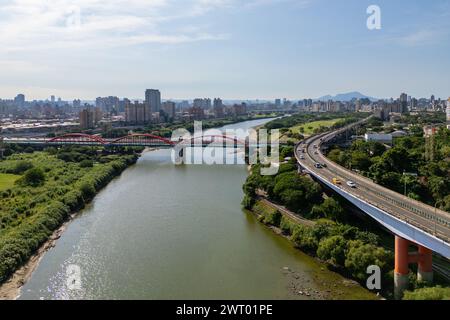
point(444, 237)
point(414, 206)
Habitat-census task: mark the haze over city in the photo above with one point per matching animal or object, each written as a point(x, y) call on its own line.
point(209, 151)
point(229, 48)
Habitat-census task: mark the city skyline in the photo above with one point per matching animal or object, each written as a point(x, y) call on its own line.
point(338, 97)
point(229, 48)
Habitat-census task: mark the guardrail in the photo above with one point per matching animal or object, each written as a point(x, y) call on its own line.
point(415, 207)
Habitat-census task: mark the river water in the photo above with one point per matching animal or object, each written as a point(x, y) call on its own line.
point(161, 231)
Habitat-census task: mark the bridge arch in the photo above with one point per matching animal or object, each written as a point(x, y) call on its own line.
point(211, 139)
point(135, 137)
point(78, 137)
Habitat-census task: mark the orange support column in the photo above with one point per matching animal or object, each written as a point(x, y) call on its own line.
point(401, 280)
point(425, 269)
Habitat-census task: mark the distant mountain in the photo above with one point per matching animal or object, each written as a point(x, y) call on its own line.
point(346, 97)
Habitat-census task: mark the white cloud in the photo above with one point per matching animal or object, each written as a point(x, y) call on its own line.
point(33, 24)
point(421, 37)
point(28, 25)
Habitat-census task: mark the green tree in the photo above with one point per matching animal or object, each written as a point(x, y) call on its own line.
point(22, 166)
point(86, 164)
point(360, 160)
point(88, 190)
point(304, 239)
point(359, 256)
point(287, 152)
point(329, 209)
point(332, 250)
point(33, 177)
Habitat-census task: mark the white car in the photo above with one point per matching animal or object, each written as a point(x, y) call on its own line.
point(351, 184)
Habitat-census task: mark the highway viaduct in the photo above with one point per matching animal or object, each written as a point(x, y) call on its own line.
point(412, 222)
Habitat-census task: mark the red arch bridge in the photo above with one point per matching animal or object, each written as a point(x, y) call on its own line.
point(135, 139)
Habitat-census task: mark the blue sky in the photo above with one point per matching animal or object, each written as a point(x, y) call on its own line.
point(233, 49)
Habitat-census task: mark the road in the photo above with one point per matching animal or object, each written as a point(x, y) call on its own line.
point(420, 215)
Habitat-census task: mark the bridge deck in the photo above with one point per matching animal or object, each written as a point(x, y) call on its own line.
point(406, 217)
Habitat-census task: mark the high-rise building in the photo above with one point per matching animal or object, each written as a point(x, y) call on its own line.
point(87, 118)
point(218, 108)
point(153, 100)
point(76, 104)
point(240, 109)
point(169, 109)
point(137, 113)
point(197, 113)
point(413, 104)
point(19, 100)
point(183, 105)
point(403, 103)
point(108, 104)
point(277, 102)
point(204, 104)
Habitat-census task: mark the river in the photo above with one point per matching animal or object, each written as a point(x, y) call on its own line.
point(161, 231)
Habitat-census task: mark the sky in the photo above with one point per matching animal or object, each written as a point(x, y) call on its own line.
point(233, 49)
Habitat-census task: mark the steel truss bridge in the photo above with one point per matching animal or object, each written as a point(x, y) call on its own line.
point(132, 140)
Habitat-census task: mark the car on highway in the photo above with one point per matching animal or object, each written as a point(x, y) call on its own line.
point(351, 184)
point(337, 181)
point(324, 165)
point(316, 152)
point(318, 166)
point(302, 157)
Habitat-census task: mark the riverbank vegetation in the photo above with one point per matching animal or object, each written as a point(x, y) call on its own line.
point(48, 186)
point(434, 293)
point(346, 248)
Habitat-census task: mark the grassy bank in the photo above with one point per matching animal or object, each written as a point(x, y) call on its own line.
point(7, 180)
point(311, 127)
point(52, 185)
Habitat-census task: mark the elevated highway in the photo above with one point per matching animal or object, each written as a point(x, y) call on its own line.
point(412, 222)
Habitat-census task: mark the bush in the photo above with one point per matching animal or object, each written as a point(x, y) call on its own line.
point(273, 218)
point(286, 225)
point(329, 209)
point(295, 191)
point(287, 152)
point(333, 250)
point(86, 164)
point(21, 167)
point(434, 293)
point(360, 256)
point(33, 178)
point(303, 239)
point(248, 202)
point(87, 190)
